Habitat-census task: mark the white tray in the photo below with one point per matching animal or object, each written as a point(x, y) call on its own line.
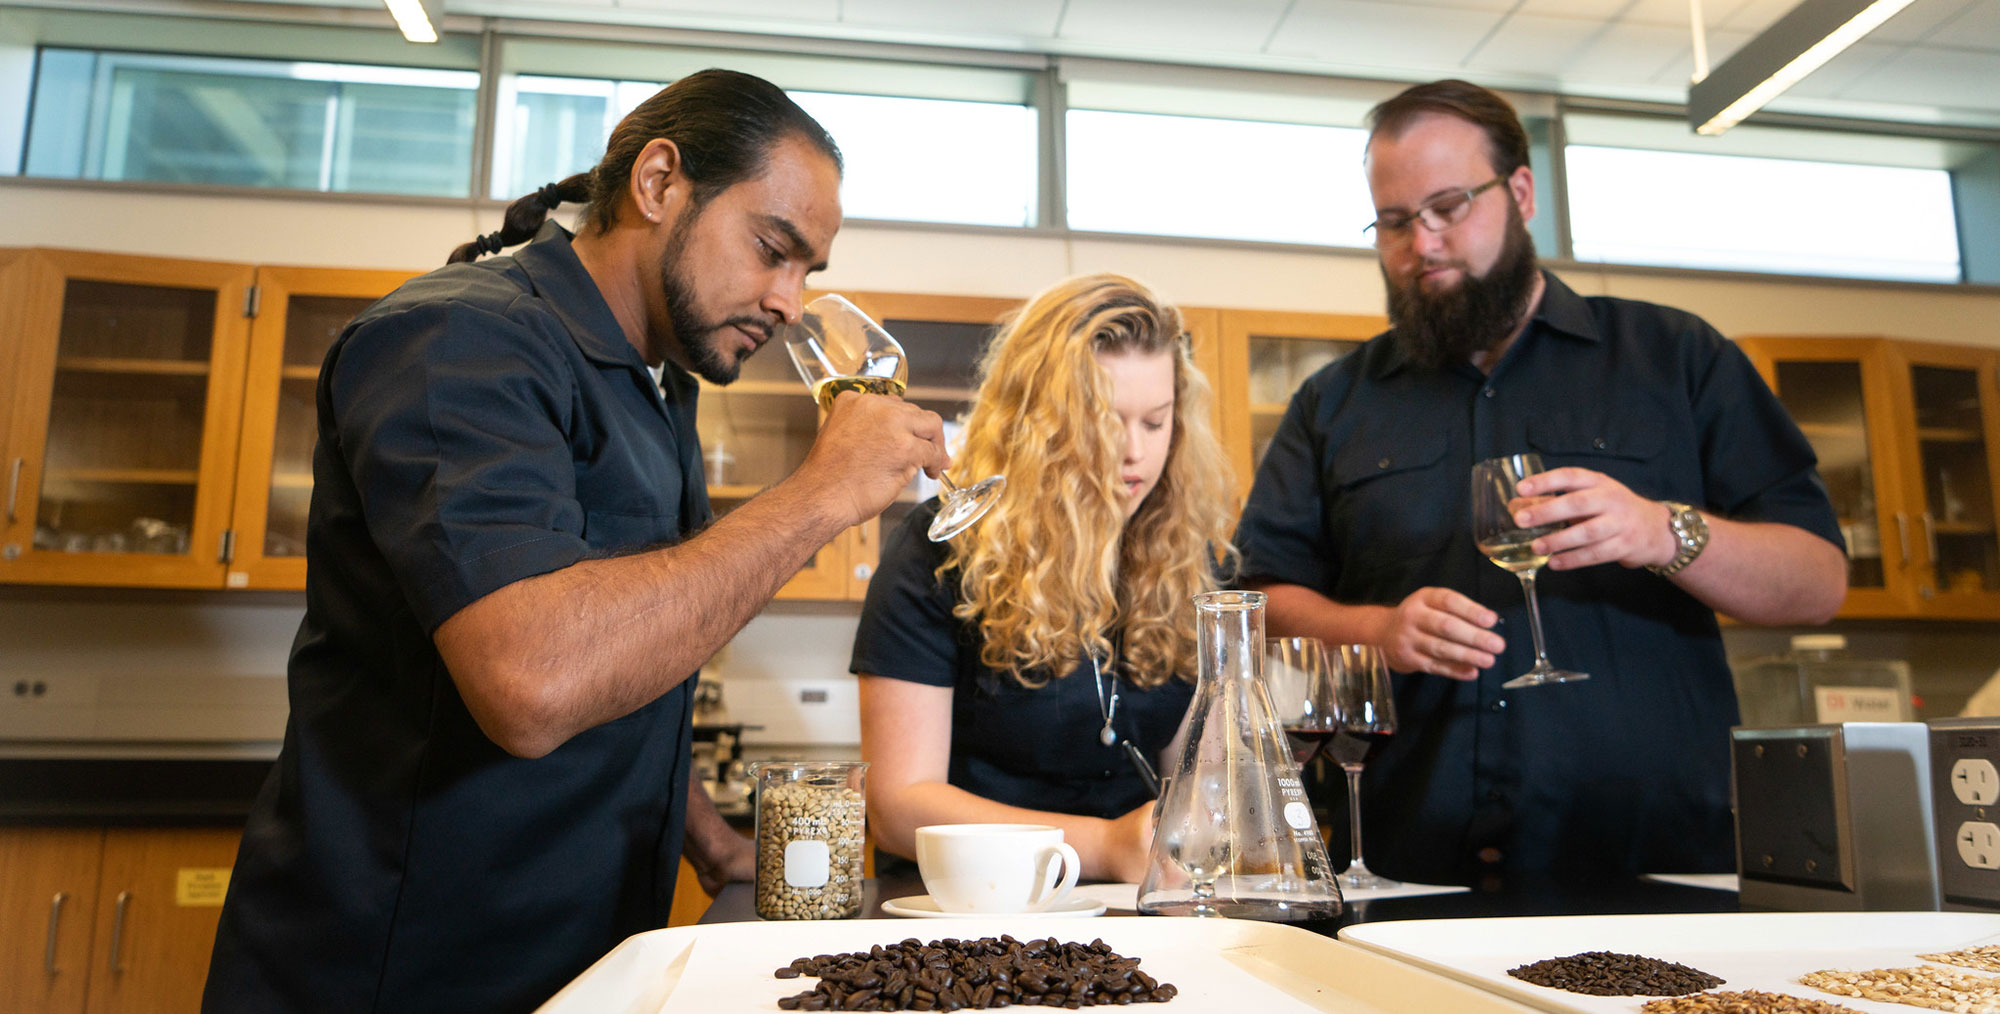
point(1751, 950)
point(1217, 964)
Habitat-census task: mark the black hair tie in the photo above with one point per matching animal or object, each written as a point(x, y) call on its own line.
point(550, 195)
point(489, 243)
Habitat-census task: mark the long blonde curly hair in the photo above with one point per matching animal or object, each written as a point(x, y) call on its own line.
point(1054, 570)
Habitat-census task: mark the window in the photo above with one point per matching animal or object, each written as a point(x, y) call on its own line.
point(931, 160)
point(1216, 178)
point(925, 160)
point(255, 123)
point(1644, 190)
point(1762, 214)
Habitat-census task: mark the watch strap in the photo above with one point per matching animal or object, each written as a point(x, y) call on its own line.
point(1690, 531)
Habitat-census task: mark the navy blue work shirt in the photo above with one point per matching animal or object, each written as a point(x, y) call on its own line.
point(1364, 497)
point(482, 424)
point(1033, 747)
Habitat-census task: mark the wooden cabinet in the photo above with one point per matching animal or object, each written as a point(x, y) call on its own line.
point(1906, 434)
point(1260, 359)
point(757, 430)
point(127, 398)
point(48, 897)
point(298, 314)
point(109, 921)
point(160, 421)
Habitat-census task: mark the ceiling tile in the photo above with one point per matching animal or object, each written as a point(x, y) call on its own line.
point(1650, 12)
point(1751, 16)
point(1016, 19)
point(1540, 46)
point(1680, 70)
point(1844, 70)
point(1931, 75)
point(1976, 27)
point(1628, 53)
point(1418, 40)
point(1242, 26)
point(803, 10)
point(1922, 18)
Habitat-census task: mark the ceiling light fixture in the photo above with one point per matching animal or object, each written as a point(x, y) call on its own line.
point(414, 18)
point(1796, 45)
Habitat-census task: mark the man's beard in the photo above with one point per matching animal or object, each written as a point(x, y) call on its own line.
point(699, 339)
point(1437, 329)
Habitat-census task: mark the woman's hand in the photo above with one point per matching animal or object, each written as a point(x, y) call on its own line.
point(1127, 845)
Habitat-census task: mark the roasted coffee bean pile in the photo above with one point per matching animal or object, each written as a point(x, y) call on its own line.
point(954, 974)
point(1749, 1001)
point(1609, 973)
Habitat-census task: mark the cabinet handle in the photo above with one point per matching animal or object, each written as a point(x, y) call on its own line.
point(1930, 536)
point(118, 932)
point(55, 920)
point(1903, 536)
point(13, 487)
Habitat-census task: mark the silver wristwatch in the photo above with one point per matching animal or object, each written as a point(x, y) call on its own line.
point(1690, 532)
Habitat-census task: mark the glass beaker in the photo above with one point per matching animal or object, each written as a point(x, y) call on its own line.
point(811, 823)
point(1235, 835)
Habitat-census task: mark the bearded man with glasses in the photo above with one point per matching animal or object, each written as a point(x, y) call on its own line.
point(1684, 487)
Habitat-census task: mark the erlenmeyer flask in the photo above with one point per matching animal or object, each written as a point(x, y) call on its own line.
point(1235, 835)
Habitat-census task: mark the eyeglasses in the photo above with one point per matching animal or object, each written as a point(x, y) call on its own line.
point(1437, 214)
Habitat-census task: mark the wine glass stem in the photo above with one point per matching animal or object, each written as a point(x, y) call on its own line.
point(950, 490)
point(1354, 812)
point(1534, 618)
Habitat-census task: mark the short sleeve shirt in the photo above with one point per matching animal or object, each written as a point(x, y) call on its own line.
point(1363, 497)
point(483, 424)
point(1034, 747)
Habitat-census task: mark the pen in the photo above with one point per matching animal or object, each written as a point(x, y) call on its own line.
point(1145, 770)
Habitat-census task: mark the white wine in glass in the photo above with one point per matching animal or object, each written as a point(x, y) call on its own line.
point(838, 348)
point(1510, 547)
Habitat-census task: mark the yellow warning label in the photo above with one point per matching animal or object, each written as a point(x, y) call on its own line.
point(200, 886)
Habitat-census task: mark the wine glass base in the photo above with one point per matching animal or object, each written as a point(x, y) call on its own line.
point(1543, 677)
point(961, 508)
point(1358, 878)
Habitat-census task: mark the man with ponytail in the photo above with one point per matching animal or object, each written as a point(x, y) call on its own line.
point(485, 780)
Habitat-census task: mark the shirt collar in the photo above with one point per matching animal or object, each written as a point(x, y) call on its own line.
point(559, 277)
point(1561, 310)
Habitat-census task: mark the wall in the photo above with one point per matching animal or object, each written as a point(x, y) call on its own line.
point(56, 632)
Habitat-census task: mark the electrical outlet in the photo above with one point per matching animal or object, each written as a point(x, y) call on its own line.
point(1975, 782)
point(1979, 845)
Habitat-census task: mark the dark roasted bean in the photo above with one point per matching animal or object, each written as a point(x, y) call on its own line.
point(1609, 973)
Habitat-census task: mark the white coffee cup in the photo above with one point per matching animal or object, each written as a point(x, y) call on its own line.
point(995, 869)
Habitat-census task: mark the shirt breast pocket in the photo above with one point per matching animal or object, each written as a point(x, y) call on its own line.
point(1623, 441)
point(616, 532)
point(1392, 501)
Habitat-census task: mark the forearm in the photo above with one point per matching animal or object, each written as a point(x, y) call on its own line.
point(1766, 573)
point(1292, 610)
point(900, 811)
point(545, 658)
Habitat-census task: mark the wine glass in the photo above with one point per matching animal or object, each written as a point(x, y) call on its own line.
point(838, 348)
point(1364, 703)
point(1494, 501)
point(1295, 677)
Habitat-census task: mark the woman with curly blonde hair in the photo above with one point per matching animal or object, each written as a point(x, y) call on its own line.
point(1007, 675)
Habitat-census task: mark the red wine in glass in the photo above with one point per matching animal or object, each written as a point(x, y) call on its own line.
point(1306, 743)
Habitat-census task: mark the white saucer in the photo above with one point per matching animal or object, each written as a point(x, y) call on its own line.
point(921, 906)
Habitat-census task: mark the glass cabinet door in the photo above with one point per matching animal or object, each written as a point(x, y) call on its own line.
point(127, 403)
point(1265, 357)
point(300, 311)
point(1954, 406)
point(944, 337)
point(1838, 391)
point(754, 432)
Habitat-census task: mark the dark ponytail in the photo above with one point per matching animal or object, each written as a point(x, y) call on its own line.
point(524, 218)
point(724, 122)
